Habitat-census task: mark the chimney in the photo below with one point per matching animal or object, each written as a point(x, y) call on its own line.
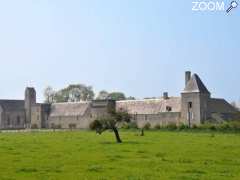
point(187, 77)
point(165, 95)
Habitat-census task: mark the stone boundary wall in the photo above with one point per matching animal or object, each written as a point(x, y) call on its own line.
point(161, 119)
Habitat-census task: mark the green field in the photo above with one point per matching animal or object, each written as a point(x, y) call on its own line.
point(85, 155)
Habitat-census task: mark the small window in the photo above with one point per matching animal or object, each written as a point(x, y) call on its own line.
point(190, 105)
point(18, 120)
point(135, 117)
point(145, 117)
point(8, 120)
point(168, 108)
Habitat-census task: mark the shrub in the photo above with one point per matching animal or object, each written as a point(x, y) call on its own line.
point(213, 127)
point(72, 126)
point(224, 126)
point(171, 126)
point(204, 126)
point(58, 126)
point(194, 126)
point(157, 126)
point(235, 125)
point(147, 126)
point(133, 125)
point(130, 125)
point(34, 126)
point(182, 126)
point(125, 126)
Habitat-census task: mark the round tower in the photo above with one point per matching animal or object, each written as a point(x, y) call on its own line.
point(30, 100)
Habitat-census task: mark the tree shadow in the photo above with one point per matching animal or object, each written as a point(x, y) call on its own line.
point(124, 142)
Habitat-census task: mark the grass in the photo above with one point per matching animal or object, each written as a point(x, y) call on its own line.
point(85, 155)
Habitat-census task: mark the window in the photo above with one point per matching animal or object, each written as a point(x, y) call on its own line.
point(135, 117)
point(8, 121)
point(145, 117)
point(189, 105)
point(168, 108)
point(18, 120)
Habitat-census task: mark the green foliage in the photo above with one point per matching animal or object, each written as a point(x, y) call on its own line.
point(129, 125)
point(183, 126)
point(157, 126)
point(49, 94)
point(34, 126)
point(72, 93)
point(102, 124)
point(72, 126)
point(83, 155)
point(171, 126)
point(147, 126)
point(117, 96)
point(102, 95)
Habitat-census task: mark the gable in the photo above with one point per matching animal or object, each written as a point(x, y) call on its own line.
point(195, 84)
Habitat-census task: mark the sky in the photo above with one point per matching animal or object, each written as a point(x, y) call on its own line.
point(139, 47)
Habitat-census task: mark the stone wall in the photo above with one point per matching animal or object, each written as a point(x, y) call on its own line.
point(36, 117)
point(13, 119)
point(161, 119)
point(74, 122)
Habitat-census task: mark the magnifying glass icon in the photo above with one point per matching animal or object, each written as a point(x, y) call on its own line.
point(233, 5)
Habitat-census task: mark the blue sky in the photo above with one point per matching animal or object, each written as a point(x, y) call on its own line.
point(140, 47)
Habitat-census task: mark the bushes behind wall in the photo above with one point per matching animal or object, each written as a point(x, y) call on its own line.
point(224, 126)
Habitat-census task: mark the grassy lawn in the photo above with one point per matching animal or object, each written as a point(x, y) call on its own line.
point(85, 155)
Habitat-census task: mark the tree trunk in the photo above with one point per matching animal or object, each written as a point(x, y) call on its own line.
point(142, 132)
point(117, 135)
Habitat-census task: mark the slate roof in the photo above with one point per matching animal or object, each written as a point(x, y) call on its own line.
point(69, 109)
point(12, 105)
point(150, 106)
point(195, 84)
point(220, 106)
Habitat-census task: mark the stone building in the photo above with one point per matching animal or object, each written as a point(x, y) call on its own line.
point(194, 106)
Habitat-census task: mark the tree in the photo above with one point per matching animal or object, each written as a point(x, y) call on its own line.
point(110, 122)
point(234, 104)
point(49, 94)
point(130, 98)
point(117, 96)
point(74, 93)
point(102, 95)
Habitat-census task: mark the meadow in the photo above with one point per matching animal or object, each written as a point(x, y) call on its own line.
point(86, 155)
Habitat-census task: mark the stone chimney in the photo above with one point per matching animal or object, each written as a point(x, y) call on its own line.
point(187, 77)
point(165, 95)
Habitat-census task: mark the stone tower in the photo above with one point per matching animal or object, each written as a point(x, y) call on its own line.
point(194, 100)
point(30, 101)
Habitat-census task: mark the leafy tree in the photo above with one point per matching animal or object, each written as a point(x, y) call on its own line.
point(130, 98)
point(49, 94)
point(110, 122)
point(102, 95)
point(74, 93)
point(117, 96)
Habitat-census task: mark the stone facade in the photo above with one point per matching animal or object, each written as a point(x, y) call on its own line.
point(194, 106)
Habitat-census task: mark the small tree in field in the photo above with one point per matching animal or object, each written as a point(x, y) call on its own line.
point(110, 122)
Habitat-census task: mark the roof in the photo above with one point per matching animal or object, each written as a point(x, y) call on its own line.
point(150, 106)
point(220, 106)
point(12, 105)
point(69, 109)
point(195, 84)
